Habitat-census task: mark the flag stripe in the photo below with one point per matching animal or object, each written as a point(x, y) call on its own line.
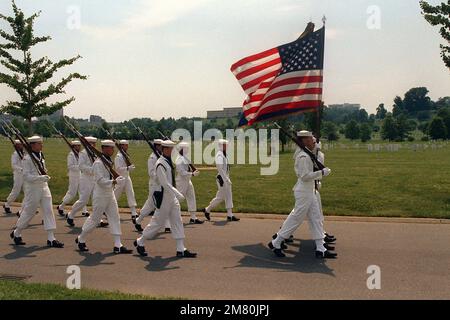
point(258, 68)
point(254, 58)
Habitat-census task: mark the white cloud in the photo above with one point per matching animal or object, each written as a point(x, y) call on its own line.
point(148, 15)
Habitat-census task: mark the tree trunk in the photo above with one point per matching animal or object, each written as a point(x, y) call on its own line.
point(30, 127)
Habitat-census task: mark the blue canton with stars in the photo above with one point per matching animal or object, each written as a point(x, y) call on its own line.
point(303, 54)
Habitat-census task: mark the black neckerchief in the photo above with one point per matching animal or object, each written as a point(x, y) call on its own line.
point(169, 161)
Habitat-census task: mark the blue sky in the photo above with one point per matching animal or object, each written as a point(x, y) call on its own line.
point(156, 59)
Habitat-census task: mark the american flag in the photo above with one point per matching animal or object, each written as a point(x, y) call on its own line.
point(282, 81)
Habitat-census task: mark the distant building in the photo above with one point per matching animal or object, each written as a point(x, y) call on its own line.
point(348, 106)
point(225, 113)
point(96, 119)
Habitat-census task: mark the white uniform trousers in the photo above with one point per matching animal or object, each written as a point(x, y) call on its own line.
point(304, 205)
point(74, 186)
point(100, 205)
point(17, 187)
point(315, 220)
point(85, 189)
point(127, 186)
point(188, 191)
point(36, 196)
point(149, 207)
point(170, 210)
point(224, 193)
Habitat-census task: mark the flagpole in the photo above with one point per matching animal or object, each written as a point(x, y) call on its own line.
point(318, 118)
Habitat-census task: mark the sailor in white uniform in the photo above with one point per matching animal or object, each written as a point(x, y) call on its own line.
point(16, 165)
point(149, 207)
point(305, 201)
point(167, 205)
point(224, 192)
point(126, 185)
point(183, 180)
point(104, 201)
point(37, 195)
point(73, 171)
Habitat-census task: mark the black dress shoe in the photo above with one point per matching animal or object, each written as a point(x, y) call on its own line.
point(195, 221)
point(18, 214)
point(290, 240)
point(278, 252)
point(329, 247)
point(81, 246)
point(7, 210)
point(329, 239)
point(103, 224)
point(85, 214)
point(55, 244)
point(60, 212)
point(283, 246)
point(122, 250)
point(207, 214)
point(138, 227)
point(186, 254)
point(70, 221)
point(233, 218)
point(17, 240)
point(167, 230)
point(140, 249)
point(325, 255)
point(133, 219)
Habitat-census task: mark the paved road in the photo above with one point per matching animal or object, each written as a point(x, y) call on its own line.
point(234, 263)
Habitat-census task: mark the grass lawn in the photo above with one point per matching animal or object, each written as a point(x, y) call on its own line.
point(406, 183)
point(16, 290)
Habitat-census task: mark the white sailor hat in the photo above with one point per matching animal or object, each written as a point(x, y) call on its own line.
point(34, 139)
point(91, 139)
point(222, 141)
point(76, 143)
point(108, 143)
point(168, 143)
point(158, 141)
point(183, 145)
point(304, 133)
point(124, 142)
point(17, 142)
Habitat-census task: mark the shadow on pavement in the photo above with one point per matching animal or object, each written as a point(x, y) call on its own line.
point(159, 263)
point(299, 260)
point(24, 252)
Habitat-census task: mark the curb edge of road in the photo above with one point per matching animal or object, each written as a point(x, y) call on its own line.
point(273, 216)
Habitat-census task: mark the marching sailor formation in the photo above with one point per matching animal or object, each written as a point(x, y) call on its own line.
point(90, 176)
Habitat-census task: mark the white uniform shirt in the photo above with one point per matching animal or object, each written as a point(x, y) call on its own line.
point(86, 165)
point(222, 166)
point(304, 170)
point(184, 172)
point(164, 178)
point(31, 174)
point(16, 163)
point(121, 165)
point(72, 164)
point(103, 180)
point(151, 168)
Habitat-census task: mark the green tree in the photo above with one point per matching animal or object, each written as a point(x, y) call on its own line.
point(439, 15)
point(365, 132)
point(389, 129)
point(352, 130)
point(330, 131)
point(381, 111)
point(416, 101)
point(28, 77)
point(444, 113)
point(437, 129)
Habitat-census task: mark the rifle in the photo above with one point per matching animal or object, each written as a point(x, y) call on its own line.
point(19, 152)
point(71, 146)
point(125, 155)
point(146, 138)
point(167, 138)
point(37, 163)
point(313, 157)
point(93, 150)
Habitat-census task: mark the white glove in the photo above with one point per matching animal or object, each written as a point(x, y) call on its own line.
point(132, 167)
point(45, 178)
point(195, 173)
point(326, 172)
point(179, 195)
point(228, 181)
point(120, 179)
